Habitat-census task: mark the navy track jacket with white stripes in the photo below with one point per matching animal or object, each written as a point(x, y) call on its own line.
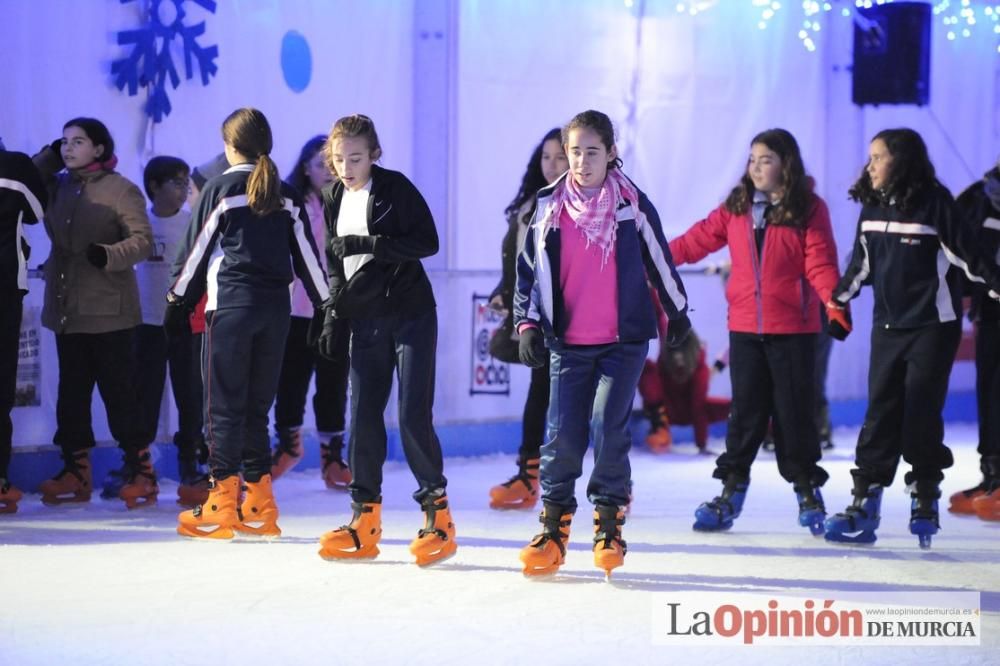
point(984, 218)
point(913, 262)
point(22, 201)
point(641, 254)
point(243, 259)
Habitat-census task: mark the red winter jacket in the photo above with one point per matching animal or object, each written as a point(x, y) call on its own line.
point(776, 292)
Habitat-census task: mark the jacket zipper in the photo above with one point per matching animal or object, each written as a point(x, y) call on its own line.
point(757, 259)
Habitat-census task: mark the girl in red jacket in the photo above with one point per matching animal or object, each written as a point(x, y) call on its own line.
point(674, 390)
point(783, 253)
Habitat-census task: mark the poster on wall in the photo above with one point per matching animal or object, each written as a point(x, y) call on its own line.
point(29, 360)
point(489, 376)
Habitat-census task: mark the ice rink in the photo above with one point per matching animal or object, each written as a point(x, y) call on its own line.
point(94, 584)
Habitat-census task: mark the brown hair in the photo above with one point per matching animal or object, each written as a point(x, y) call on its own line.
point(911, 175)
point(600, 124)
point(248, 131)
point(349, 127)
point(794, 206)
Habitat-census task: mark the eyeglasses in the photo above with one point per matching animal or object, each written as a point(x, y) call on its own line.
point(181, 183)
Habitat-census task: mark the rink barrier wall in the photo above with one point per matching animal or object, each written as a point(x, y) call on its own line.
point(32, 465)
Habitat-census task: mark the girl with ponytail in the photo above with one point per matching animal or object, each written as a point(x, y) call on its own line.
point(247, 226)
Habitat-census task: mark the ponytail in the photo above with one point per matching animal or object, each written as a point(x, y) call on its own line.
point(248, 131)
point(264, 187)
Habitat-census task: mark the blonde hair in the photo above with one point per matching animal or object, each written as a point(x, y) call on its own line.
point(349, 127)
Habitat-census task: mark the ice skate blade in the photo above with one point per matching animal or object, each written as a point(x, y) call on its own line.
point(543, 573)
point(698, 527)
point(513, 506)
point(219, 533)
point(437, 559)
point(858, 538)
point(349, 556)
point(139, 502)
point(262, 532)
point(816, 527)
point(445, 552)
point(991, 513)
point(56, 500)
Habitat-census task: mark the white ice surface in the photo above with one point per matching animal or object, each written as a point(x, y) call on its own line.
point(95, 584)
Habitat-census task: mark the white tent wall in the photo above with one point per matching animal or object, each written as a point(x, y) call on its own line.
point(61, 53)
point(687, 93)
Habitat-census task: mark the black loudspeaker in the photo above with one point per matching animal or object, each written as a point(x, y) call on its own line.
point(892, 54)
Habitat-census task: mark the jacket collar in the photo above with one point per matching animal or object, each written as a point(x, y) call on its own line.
point(246, 166)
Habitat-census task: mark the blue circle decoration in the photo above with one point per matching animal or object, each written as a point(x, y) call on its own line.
point(296, 61)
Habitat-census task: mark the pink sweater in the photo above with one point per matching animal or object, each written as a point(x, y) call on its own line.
point(590, 291)
point(301, 305)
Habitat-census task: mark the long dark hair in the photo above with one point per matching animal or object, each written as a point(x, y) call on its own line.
point(797, 196)
point(533, 179)
point(98, 134)
point(248, 131)
point(298, 177)
point(911, 174)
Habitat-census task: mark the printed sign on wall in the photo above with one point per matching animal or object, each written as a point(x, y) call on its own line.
point(488, 374)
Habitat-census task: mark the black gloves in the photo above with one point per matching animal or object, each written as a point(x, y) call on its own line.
point(531, 348)
point(678, 329)
point(346, 246)
point(329, 336)
point(97, 255)
point(838, 321)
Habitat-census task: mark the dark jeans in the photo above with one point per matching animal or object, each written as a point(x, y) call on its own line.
point(592, 388)
point(773, 380)
point(300, 360)
point(153, 353)
point(907, 385)
point(988, 397)
point(241, 361)
point(104, 359)
point(382, 347)
point(10, 337)
point(536, 408)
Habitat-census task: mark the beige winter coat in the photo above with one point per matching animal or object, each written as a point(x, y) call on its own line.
point(104, 208)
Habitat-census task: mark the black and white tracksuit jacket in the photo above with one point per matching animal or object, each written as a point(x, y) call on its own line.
point(22, 201)
point(984, 217)
point(913, 262)
point(401, 224)
point(238, 257)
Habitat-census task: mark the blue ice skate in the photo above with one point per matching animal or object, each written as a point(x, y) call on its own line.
point(812, 511)
point(718, 515)
point(113, 482)
point(924, 513)
point(857, 524)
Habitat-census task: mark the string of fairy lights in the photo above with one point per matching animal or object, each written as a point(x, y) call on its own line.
point(962, 19)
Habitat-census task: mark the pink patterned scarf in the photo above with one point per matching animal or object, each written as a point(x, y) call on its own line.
point(595, 216)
